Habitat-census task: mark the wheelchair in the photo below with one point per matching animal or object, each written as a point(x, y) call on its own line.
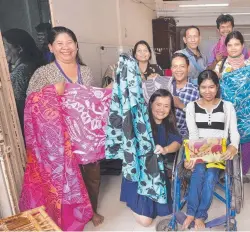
point(230, 182)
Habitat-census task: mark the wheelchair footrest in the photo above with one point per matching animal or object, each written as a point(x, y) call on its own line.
point(181, 217)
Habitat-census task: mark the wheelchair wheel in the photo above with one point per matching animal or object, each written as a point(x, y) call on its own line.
point(238, 189)
point(232, 227)
point(182, 173)
point(164, 225)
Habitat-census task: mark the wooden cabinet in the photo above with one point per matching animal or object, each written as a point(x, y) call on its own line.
point(164, 40)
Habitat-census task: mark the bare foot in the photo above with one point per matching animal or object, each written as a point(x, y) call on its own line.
point(97, 219)
point(187, 222)
point(199, 224)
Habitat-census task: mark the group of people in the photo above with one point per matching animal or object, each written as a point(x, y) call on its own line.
point(199, 112)
point(187, 105)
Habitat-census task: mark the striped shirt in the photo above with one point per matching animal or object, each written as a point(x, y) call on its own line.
point(210, 124)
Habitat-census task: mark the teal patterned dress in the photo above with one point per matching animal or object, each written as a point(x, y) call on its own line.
point(129, 134)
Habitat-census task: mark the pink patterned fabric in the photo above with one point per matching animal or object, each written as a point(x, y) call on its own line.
point(52, 176)
point(220, 47)
point(85, 110)
point(205, 150)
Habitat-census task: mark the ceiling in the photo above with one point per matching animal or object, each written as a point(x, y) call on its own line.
point(171, 8)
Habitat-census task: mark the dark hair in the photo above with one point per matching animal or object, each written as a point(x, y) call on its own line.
point(178, 54)
point(19, 38)
point(236, 35)
point(224, 18)
point(143, 43)
point(191, 27)
point(43, 27)
point(55, 31)
point(209, 75)
point(170, 121)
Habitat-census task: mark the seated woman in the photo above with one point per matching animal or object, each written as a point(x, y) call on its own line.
point(163, 123)
point(208, 117)
point(235, 44)
point(142, 53)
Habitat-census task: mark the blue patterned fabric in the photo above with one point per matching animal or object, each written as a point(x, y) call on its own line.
point(129, 134)
point(235, 87)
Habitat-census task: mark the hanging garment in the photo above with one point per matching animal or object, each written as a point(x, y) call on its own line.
point(129, 134)
point(52, 177)
point(151, 85)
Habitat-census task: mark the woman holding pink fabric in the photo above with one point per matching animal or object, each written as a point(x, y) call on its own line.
point(46, 182)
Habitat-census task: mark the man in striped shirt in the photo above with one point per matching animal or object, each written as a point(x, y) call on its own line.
point(183, 91)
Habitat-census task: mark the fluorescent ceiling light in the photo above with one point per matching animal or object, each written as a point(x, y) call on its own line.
point(205, 5)
point(238, 13)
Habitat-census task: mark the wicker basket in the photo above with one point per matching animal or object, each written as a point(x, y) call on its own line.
point(32, 220)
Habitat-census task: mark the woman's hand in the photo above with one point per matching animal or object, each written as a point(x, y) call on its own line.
point(60, 87)
point(189, 164)
point(158, 150)
point(230, 153)
point(161, 150)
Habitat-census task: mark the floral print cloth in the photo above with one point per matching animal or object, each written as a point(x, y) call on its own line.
point(129, 134)
point(235, 87)
point(61, 133)
point(206, 150)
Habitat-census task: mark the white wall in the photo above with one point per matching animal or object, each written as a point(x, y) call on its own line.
point(115, 24)
point(136, 22)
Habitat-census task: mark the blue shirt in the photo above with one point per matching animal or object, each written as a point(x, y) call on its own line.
point(163, 140)
point(196, 64)
point(187, 94)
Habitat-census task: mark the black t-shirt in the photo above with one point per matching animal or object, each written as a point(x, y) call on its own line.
point(153, 68)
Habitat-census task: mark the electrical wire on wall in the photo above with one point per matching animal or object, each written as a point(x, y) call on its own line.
point(144, 4)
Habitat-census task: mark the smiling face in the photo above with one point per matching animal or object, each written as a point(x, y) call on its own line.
point(192, 38)
point(161, 108)
point(64, 48)
point(208, 90)
point(225, 28)
point(142, 53)
point(179, 69)
point(234, 47)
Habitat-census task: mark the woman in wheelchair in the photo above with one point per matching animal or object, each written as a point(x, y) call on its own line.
point(163, 122)
point(208, 117)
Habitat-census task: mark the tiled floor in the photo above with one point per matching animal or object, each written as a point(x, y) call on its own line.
point(118, 217)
